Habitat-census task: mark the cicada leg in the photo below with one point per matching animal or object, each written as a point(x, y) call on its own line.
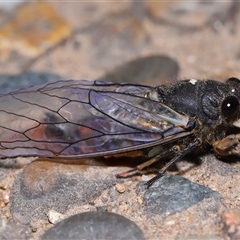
point(173, 150)
point(229, 145)
point(139, 168)
point(179, 155)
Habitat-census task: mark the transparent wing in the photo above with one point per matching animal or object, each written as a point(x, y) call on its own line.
point(84, 118)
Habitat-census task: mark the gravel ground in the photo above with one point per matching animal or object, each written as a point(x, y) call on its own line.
point(41, 42)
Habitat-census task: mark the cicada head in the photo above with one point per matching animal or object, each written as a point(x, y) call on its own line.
point(230, 107)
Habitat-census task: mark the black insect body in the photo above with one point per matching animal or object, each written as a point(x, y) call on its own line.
point(215, 108)
point(214, 105)
point(81, 119)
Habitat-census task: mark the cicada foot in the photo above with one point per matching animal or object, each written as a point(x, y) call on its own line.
point(228, 146)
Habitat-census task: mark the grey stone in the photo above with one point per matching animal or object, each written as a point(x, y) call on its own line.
point(95, 225)
point(172, 194)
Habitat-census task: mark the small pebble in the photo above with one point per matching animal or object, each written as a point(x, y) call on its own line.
point(5, 197)
point(104, 199)
point(3, 186)
point(54, 216)
point(120, 188)
point(231, 223)
point(139, 200)
point(94, 225)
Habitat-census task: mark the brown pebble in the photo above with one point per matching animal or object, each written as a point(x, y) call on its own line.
point(6, 197)
point(3, 186)
point(120, 188)
point(54, 216)
point(139, 200)
point(7, 215)
point(231, 223)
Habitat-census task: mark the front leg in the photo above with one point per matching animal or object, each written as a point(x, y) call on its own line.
point(228, 146)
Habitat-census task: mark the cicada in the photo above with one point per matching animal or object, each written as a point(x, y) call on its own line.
point(82, 119)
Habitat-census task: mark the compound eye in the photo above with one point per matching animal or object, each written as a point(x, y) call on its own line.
point(229, 106)
point(233, 81)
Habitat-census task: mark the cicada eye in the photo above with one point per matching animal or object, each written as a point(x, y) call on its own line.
point(233, 81)
point(229, 106)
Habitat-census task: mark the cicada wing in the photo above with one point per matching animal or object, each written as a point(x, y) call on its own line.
point(84, 118)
